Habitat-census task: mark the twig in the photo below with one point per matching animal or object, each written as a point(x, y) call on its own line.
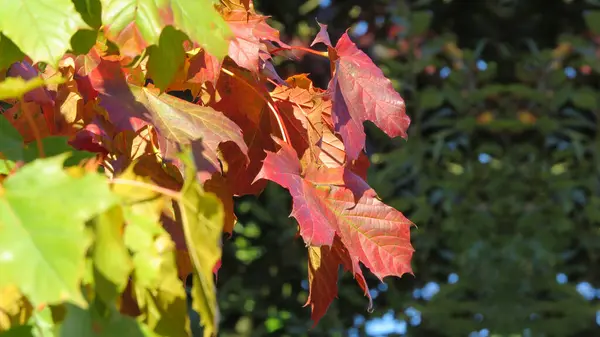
point(308, 50)
point(36, 131)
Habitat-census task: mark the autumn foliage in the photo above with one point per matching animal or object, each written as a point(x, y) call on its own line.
point(110, 231)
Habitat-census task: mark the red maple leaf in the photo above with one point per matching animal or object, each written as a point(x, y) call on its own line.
point(203, 67)
point(323, 265)
point(177, 121)
point(361, 92)
point(92, 136)
point(322, 36)
point(249, 30)
point(309, 209)
point(307, 114)
point(108, 79)
point(246, 104)
point(336, 199)
point(302, 107)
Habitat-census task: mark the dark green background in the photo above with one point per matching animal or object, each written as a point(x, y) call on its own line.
point(500, 174)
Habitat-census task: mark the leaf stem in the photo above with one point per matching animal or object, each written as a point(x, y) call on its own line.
point(282, 129)
point(155, 188)
point(36, 132)
point(304, 49)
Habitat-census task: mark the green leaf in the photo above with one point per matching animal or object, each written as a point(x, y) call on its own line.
point(592, 21)
point(110, 257)
point(11, 142)
point(420, 21)
point(202, 24)
point(166, 58)
point(143, 14)
point(40, 29)
point(163, 303)
point(16, 87)
point(44, 322)
point(198, 19)
point(90, 11)
point(430, 98)
point(561, 96)
point(6, 166)
point(42, 236)
point(159, 291)
point(83, 41)
point(585, 99)
point(88, 322)
point(203, 216)
point(55, 145)
point(9, 52)
point(18, 331)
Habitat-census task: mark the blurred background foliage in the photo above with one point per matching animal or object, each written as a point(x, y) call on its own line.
point(500, 174)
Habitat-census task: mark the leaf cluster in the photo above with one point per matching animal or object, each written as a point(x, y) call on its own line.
point(129, 126)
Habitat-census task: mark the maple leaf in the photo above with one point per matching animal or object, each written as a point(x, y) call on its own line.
point(49, 220)
point(307, 106)
point(32, 89)
point(247, 106)
point(217, 184)
point(91, 137)
point(315, 219)
point(307, 111)
point(83, 65)
point(245, 4)
point(167, 58)
point(203, 67)
point(202, 215)
point(136, 24)
point(10, 52)
point(181, 122)
point(123, 110)
point(20, 22)
point(322, 36)
point(159, 292)
point(131, 107)
point(337, 199)
point(16, 115)
point(361, 92)
point(25, 71)
point(249, 30)
point(323, 265)
point(111, 261)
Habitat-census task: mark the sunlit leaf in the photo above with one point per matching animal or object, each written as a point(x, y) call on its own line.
point(137, 24)
point(361, 93)
point(42, 238)
point(330, 201)
point(44, 39)
point(203, 216)
point(159, 292)
point(110, 257)
point(15, 310)
point(16, 87)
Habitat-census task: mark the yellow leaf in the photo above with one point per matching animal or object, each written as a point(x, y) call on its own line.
point(14, 308)
point(203, 217)
point(16, 87)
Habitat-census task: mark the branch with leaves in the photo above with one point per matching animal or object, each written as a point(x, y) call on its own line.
point(114, 190)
